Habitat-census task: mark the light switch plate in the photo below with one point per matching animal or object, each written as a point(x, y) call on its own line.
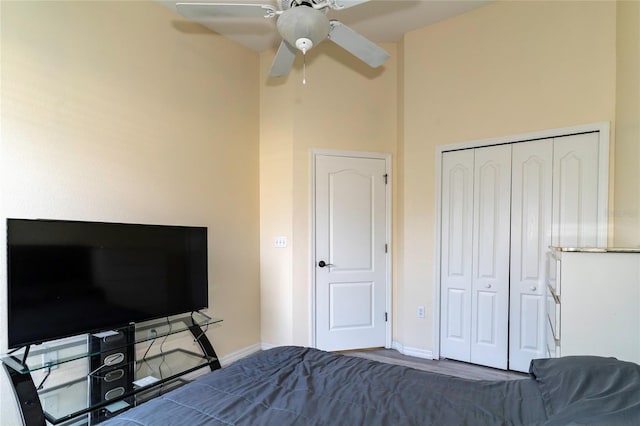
point(280, 242)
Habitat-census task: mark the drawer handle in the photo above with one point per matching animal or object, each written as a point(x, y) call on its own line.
point(488, 286)
point(534, 288)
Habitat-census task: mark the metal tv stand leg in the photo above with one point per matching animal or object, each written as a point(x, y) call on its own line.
point(205, 345)
point(27, 395)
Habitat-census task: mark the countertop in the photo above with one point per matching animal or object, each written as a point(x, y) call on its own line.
point(597, 249)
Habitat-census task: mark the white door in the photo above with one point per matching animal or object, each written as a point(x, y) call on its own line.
point(531, 196)
point(476, 189)
point(490, 285)
point(350, 264)
point(575, 190)
point(456, 250)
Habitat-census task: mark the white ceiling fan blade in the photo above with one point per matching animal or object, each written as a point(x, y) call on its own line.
point(283, 61)
point(345, 4)
point(225, 10)
point(359, 46)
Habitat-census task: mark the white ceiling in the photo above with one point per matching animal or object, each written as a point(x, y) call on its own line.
point(379, 20)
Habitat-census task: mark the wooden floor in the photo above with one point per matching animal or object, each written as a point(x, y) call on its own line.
point(448, 367)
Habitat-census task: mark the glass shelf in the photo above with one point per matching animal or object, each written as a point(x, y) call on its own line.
point(69, 400)
point(71, 349)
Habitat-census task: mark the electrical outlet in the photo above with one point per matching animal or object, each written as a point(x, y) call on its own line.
point(420, 312)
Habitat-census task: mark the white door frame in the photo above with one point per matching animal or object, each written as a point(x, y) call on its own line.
point(312, 236)
point(603, 188)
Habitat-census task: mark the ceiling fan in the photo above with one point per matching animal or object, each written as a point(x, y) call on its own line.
point(302, 24)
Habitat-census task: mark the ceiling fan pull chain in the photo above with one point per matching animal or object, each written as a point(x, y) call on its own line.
point(304, 68)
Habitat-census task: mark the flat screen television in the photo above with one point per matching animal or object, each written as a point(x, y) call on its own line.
point(68, 277)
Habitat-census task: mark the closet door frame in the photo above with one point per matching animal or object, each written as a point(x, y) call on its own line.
point(603, 189)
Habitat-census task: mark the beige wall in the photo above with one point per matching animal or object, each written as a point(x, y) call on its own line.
point(506, 68)
point(277, 117)
point(626, 212)
point(345, 105)
point(112, 113)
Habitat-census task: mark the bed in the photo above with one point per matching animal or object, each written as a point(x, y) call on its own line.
point(304, 386)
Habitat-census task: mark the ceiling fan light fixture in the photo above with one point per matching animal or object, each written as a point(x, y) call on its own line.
point(303, 27)
point(304, 44)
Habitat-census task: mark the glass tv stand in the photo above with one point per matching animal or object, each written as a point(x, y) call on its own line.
point(87, 379)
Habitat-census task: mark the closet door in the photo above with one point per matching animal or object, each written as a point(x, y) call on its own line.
point(531, 197)
point(490, 257)
point(456, 250)
point(575, 190)
point(502, 207)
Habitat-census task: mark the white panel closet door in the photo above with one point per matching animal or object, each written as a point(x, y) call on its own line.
point(575, 190)
point(456, 251)
point(531, 197)
point(501, 208)
point(490, 285)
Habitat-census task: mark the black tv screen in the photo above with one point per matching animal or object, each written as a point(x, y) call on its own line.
point(68, 277)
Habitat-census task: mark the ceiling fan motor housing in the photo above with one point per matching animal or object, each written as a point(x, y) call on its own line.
point(303, 27)
point(289, 4)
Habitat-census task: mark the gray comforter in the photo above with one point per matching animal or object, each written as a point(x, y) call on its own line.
point(302, 386)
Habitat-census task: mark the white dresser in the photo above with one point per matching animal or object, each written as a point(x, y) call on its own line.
point(593, 302)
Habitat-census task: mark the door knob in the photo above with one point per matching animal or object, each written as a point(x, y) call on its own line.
point(322, 264)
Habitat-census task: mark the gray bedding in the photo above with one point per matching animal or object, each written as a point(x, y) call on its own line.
point(303, 386)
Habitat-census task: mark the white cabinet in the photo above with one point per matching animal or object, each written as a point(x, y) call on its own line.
point(594, 303)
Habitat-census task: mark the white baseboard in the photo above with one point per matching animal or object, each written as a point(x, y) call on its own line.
point(264, 346)
point(239, 354)
point(416, 352)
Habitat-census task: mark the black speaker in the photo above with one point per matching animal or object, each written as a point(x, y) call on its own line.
point(112, 371)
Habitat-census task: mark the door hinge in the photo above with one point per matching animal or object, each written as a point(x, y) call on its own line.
point(386, 317)
point(386, 248)
point(386, 178)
